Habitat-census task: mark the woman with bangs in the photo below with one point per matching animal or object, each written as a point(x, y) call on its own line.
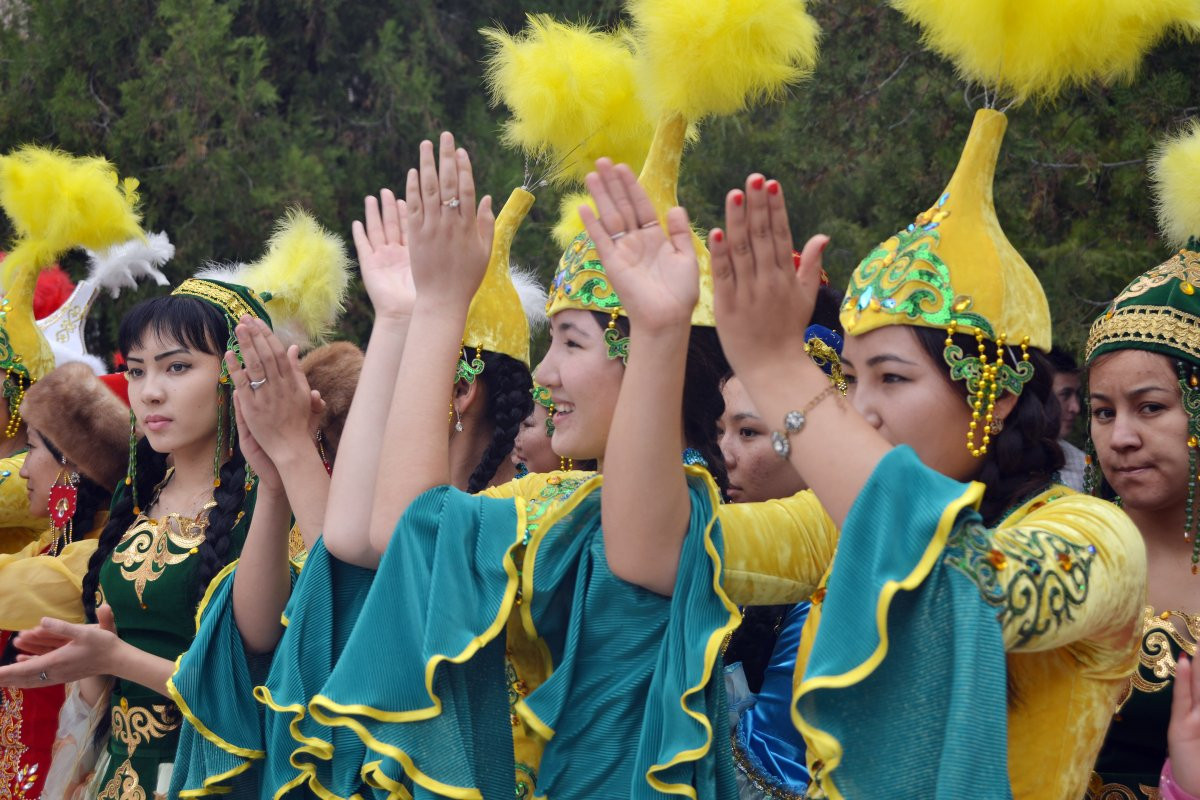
point(178, 518)
point(977, 617)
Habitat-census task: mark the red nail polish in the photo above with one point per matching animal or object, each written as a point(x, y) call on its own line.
point(795, 259)
point(756, 182)
point(718, 236)
point(823, 246)
point(773, 187)
point(738, 198)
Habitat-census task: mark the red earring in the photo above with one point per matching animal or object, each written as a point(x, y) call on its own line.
point(64, 498)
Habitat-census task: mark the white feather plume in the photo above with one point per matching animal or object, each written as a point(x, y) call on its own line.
point(66, 355)
point(122, 266)
point(533, 296)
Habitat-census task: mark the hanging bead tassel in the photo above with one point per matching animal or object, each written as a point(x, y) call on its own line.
point(131, 470)
point(1190, 386)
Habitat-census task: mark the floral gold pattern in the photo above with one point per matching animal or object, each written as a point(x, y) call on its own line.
point(125, 784)
point(580, 281)
point(1184, 267)
point(219, 296)
point(904, 275)
point(1039, 580)
point(1098, 790)
point(134, 725)
point(1150, 325)
point(1156, 657)
point(146, 548)
point(11, 746)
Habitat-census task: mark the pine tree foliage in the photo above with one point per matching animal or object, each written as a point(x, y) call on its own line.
point(230, 110)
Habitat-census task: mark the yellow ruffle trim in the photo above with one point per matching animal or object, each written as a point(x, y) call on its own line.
point(825, 743)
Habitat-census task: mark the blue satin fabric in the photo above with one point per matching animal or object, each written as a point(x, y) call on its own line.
point(771, 747)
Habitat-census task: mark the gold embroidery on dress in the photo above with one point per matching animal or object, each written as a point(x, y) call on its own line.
point(145, 552)
point(11, 746)
point(132, 725)
point(1098, 790)
point(297, 552)
point(124, 785)
point(1156, 660)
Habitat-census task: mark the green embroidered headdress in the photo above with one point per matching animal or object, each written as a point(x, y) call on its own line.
point(1159, 311)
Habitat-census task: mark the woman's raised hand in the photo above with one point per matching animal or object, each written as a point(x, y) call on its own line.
point(449, 240)
point(1183, 734)
point(277, 411)
point(763, 298)
point(382, 248)
point(654, 272)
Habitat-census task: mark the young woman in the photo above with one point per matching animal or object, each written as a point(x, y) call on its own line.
point(495, 622)
point(963, 578)
point(171, 529)
point(767, 749)
point(1144, 407)
point(490, 396)
point(77, 432)
point(532, 449)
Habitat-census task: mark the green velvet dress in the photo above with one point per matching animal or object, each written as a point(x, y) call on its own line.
point(150, 580)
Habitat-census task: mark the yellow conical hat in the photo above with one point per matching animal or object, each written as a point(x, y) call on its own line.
point(580, 281)
point(954, 268)
point(496, 320)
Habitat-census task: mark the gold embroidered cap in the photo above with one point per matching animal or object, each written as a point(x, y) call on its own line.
point(1160, 309)
point(580, 282)
point(953, 267)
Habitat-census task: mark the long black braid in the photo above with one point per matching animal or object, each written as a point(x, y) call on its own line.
point(199, 326)
point(509, 401)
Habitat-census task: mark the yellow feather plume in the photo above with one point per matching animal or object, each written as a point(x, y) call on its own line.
point(1175, 172)
point(569, 224)
point(703, 57)
point(572, 91)
point(306, 270)
point(1036, 49)
point(57, 202)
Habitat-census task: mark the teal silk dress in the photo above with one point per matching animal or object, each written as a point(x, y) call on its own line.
point(394, 682)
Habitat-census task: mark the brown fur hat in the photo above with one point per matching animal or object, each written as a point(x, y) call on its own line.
point(83, 419)
point(333, 370)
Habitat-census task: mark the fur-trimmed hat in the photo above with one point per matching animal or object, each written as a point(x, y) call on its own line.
point(333, 370)
point(83, 419)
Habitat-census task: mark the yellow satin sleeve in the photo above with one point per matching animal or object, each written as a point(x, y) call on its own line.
point(776, 551)
point(1066, 571)
point(18, 527)
point(33, 586)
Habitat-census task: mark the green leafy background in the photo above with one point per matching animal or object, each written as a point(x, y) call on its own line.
point(230, 111)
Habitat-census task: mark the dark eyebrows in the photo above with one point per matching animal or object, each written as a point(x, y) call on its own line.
point(161, 356)
point(1132, 393)
point(566, 327)
point(743, 416)
point(885, 357)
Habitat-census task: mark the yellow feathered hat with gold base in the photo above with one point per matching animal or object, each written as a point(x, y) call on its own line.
point(506, 302)
point(55, 202)
point(643, 90)
point(953, 268)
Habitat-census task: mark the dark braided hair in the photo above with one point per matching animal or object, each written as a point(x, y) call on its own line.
point(198, 326)
point(1025, 457)
point(703, 403)
point(92, 498)
point(509, 400)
